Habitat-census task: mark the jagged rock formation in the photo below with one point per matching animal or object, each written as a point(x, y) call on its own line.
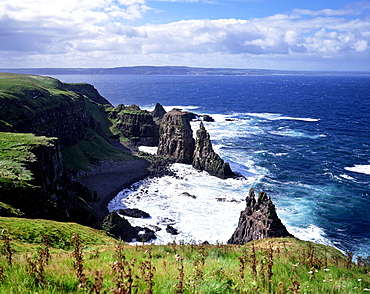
point(205, 158)
point(135, 124)
point(158, 111)
point(176, 140)
point(258, 221)
point(39, 186)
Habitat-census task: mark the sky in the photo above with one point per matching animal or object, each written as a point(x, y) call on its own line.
point(312, 35)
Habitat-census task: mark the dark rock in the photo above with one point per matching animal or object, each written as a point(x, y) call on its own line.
point(135, 124)
point(171, 230)
point(208, 118)
point(134, 212)
point(155, 228)
point(119, 227)
point(160, 167)
point(258, 221)
point(158, 111)
point(51, 193)
point(145, 234)
point(206, 159)
point(189, 195)
point(191, 115)
point(176, 140)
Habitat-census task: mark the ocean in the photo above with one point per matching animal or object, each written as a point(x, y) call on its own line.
point(303, 139)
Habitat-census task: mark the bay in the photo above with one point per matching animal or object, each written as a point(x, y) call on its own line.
point(303, 139)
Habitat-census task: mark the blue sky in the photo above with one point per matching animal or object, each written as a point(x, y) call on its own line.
point(269, 34)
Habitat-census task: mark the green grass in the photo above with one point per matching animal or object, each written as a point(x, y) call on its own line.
point(15, 153)
point(87, 152)
point(26, 98)
point(26, 233)
point(281, 266)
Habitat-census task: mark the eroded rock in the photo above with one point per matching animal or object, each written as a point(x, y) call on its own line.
point(206, 159)
point(259, 220)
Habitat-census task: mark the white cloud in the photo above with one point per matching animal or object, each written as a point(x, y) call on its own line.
point(92, 33)
point(352, 8)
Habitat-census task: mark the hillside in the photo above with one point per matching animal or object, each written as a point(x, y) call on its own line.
point(49, 257)
point(50, 130)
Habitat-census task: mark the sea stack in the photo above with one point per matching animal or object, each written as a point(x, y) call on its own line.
point(205, 158)
point(258, 221)
point(176, 140)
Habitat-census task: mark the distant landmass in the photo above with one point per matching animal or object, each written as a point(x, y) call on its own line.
point(163, 70)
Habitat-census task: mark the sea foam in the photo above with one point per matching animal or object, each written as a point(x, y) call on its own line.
point(200, 206)
point(358, 168)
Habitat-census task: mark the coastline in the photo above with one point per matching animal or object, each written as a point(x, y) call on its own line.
point(110, 178)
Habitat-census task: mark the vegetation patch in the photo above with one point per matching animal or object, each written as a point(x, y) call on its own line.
point(15, 153)
point(267, 266)
point(24, 232)
point(90, 151)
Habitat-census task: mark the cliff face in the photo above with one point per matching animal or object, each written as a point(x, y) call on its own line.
point(135, 124)
point(36, 182)
point(258, 221)
point(45, 106)
point(205, 158)
point(176, 140)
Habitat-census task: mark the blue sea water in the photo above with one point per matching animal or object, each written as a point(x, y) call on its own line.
point(305, 139)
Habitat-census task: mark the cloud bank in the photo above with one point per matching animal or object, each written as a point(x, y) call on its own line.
point(99, 33)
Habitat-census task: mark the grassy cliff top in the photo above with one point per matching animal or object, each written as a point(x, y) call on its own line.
point(15, 152)
point(24, 233)
point(267, 266)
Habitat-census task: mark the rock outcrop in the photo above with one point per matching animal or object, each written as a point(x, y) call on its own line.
point(176, 143)
point(122, 229)
point(158, 111)
point(176, 140)
point(40, 187)
point(258, 221)
point(119, 227)
point(135, 124)
point(205, 158)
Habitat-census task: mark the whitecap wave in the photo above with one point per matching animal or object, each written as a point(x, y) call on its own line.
point(296, 134)
point(277, 116)
point(310, 233)
point(200, 206)
point(347, 177)
point(359, 168)
point(148, 149)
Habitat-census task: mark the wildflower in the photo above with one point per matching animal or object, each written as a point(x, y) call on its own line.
point(366, 289)
point(326, 269)
point(359, 280)
point(324, 281)
point(310, 272)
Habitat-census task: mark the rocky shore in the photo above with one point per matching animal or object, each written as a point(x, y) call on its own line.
point(110, 178)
